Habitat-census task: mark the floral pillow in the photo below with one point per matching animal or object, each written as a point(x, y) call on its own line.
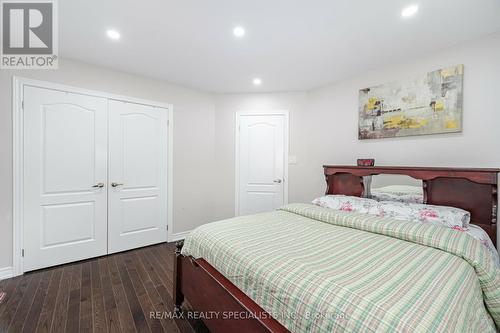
point(345, 203)
point(437, 215)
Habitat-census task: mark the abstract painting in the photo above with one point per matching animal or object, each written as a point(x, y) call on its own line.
point(429, 104)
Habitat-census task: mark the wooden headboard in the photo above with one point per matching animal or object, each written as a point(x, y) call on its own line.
point(474, 190)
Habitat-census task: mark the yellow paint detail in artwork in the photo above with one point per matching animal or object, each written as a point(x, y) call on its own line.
point(371, 103)
point(451, 124)
point(402, 122)
point(439, 106)
point(393, 122)
point(418, 123)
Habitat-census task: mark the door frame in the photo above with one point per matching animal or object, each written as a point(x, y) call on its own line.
point(286, 130)
point(18, 84)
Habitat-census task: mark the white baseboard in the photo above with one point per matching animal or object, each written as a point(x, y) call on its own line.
point(6, 272)
point(178, 236)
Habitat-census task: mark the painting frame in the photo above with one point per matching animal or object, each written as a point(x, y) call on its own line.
point(425, 105)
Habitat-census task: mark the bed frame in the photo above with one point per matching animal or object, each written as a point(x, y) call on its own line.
point(474, 190)
point(218, 301)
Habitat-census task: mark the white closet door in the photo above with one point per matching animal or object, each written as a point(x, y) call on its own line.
point(261, 160)
point(65, 172)
point(138, 144)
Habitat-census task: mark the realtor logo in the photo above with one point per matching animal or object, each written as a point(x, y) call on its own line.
point(29, 34)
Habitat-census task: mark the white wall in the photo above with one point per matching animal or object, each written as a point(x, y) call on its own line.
point(324, 123)
point(333, 116)
point(225, 122)
point(193, 139)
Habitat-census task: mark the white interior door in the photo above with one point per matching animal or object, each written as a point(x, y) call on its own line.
point(138, 143)
point(65, 172)
point(261, 163)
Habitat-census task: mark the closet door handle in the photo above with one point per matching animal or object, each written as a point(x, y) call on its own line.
point(116, 184)
point(277, 181)
point(99, 185)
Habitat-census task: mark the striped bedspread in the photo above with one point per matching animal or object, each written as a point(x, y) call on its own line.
point(319, 270)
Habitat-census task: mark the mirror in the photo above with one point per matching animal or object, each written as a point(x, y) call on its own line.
point(398, 188)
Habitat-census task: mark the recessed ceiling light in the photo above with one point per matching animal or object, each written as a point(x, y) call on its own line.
point(113, 34)
point(257, 81)
point(409, 11)
point(239, 31)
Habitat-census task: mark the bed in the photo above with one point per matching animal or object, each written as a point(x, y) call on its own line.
point(306, 268)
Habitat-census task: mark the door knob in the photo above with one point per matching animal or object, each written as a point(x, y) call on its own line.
point(99, 185)
point(116, 184)
point(277, 181)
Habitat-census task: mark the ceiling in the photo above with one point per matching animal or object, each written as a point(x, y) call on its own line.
point(291, 45)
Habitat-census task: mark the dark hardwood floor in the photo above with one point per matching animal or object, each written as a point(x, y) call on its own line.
point(115, 293)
